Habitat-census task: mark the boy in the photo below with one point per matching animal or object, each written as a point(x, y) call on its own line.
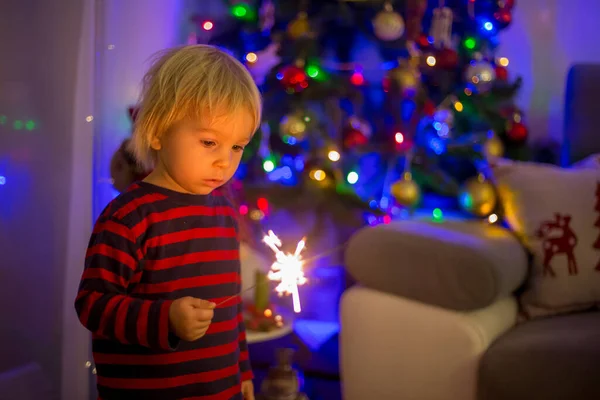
point(164, 253)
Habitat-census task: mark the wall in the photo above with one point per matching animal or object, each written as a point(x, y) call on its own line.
point(129, 33)
point(45, 162)
point(544, 40)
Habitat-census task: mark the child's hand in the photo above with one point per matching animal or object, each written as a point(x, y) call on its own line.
point(189, 317)
point(248, 390)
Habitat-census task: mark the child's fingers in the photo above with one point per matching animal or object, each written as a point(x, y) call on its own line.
point(200, 303)
point(204, 314)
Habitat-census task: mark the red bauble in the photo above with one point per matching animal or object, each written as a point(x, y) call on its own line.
point(504, 17)
point(517, 131)
point(429, 108)
point(293, 78)
point(423, 41)
point(447, 59)
point(354, 137)
point(501, 73)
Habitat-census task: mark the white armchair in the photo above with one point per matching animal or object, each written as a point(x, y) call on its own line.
point(431, 300)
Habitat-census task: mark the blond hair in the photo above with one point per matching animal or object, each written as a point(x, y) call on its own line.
point(190, 82)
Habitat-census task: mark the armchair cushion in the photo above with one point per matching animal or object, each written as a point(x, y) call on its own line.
point(456, 265)
point(551, 358)
point(556, 212)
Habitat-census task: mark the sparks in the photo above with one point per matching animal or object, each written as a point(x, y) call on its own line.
point(287, 269)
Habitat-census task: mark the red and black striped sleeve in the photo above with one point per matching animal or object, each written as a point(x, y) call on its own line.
point(103, 305)
point(245, 368)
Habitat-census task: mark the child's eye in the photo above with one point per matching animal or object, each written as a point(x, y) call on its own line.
point(208, 143)
point(238, 148)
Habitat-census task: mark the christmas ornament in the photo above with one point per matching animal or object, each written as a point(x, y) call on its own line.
point(477, 196)
point(446, 58)
point(407, 77)
point(124, 170)
point(501, 73)
point(481, 75)
point(293, 125)
point(429, 108)
point(357, 132)
point(493, 147)
point(517, 132)
point(414, 12)
point(282, 382)
point(441, 27)
point(406, 191)
point(503, 18)
point(299, 27)
point(293, 78)
point(388, 25)
point(262, 62)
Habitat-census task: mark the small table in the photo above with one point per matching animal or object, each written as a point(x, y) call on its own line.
point(258, 336)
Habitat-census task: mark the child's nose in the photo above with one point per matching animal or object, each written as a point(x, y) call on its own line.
point(224, 159)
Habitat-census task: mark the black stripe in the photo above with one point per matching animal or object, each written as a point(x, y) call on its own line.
point(113, 347)
point(153, 324)
point(190, 270)
point(191, 246)
point(131, 321)
point(96, 312)
point(101, 286)
point(169, 370)
point(174, 393)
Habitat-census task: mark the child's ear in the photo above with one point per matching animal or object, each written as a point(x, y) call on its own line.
point(155, 143)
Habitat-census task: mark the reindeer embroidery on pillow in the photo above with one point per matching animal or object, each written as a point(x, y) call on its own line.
point(558, 238)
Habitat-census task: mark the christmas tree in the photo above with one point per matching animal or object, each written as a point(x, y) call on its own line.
point(376, 106)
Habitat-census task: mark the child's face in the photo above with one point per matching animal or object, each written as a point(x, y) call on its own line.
point(200, 157)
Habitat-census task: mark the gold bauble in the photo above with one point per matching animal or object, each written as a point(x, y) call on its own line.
point(493, 147)
point(299, 27)
point(388, 25)
point(405, 76)
point(406, 191)
point(478, 197)
point(293, 125)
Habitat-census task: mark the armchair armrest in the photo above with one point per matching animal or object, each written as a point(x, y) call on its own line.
point(458, 265)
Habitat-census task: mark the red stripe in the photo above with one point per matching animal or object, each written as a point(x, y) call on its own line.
point(114, 227)
point(244, 355)
point(115, 254)
point(165, 358)
point(192, 258)
point(87, 307)
point(226, 394)
point(81, 294)
point(163, 325)
point(135, 203)
point(166, 383)
point(121, 319)
point(247, 375)
point(180, 212)
point(242, 336)
point(132, 187)
point(186, 283)
point(105, 275)
point(107, 313)
point(142, 323)
point(223, 326)
point(189, 234)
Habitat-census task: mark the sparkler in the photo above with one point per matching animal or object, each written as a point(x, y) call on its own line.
point(287, 269)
